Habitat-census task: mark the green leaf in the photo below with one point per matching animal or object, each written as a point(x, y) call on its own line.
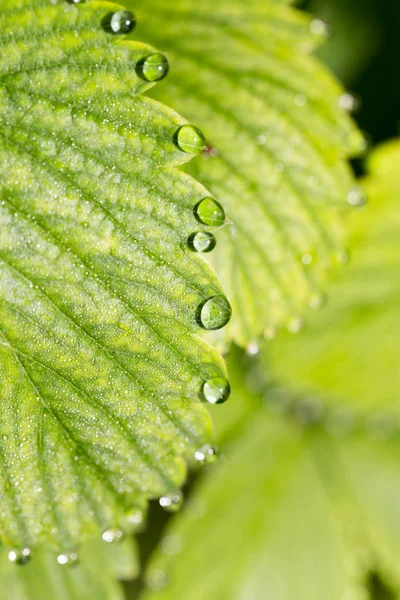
point(101, 363)
point(94, 576)
point(305, 505)
point(349, 353)
point(290, 512)
point(277, 146)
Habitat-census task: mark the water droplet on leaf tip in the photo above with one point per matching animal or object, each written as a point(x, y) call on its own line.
point(206, 455)
point(216, 390)
point(153, 67)
point(119, 22)
point(190, 139)
point(202, 241)
point(20, 557)
point(172, 501)
point(214, 313)
point(209, 212)
point(111, 535)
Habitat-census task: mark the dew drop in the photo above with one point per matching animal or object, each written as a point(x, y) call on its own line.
point(68, 558)
point(135, 518)
point(214, 313)
point(319, 28)
point(307, 259)
point(252, 348)
point(171, 545)
point(202, 241)
point(111, 535)
point(153, 67)
point(316, 301)
point(172, 501)
point(156, 579)
point(20, 557)
point(269, 333)
point(206, 455)
point(209, 212)
point(300, 100)
point(190, 139)
point(356, 196)
point(295, 325)
point(216, 390)
point(348, 102)
point(120, 22)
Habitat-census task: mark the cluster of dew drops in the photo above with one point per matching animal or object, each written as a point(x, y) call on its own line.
point(214, 313)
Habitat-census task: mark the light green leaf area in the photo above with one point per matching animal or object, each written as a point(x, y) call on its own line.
point(277, 147)
point(349, 353)
point(101, 361)
point(93, 576)
point(289, 512)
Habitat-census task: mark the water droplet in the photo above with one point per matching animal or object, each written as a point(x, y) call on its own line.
point(300, 100)
point(342, 257)
point(279, 167)
point(171, 545)
point(190, 139)
point(74, 1)
point(295, 325)
point(69, 558)
point(348, 102)
point(153, 67)
point(111, 535)
point(214, 313)
point(316, 301)
point(252, 348)
point(356, 196)
point(20, 557)
point(135, 519)
point(209, 212)
point(269, 333)
point(172, 501)
point(318, 27)
point(206, 455)
point(216, 390)
point(120, 22)
point(156, 579)
point(202, 241)
point(307, 259)
point(261, 140)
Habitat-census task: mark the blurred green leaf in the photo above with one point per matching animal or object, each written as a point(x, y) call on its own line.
point(349, 352)
point(356, 33)
point(277, 146)
point(101, 364)
point(94, 576)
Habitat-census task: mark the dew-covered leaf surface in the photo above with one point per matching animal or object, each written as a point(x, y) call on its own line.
point(277, 143)
point(101, 300)
point(350, 353)
point(92, 574)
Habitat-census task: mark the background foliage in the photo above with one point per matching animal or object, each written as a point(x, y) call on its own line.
point(303, 502)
